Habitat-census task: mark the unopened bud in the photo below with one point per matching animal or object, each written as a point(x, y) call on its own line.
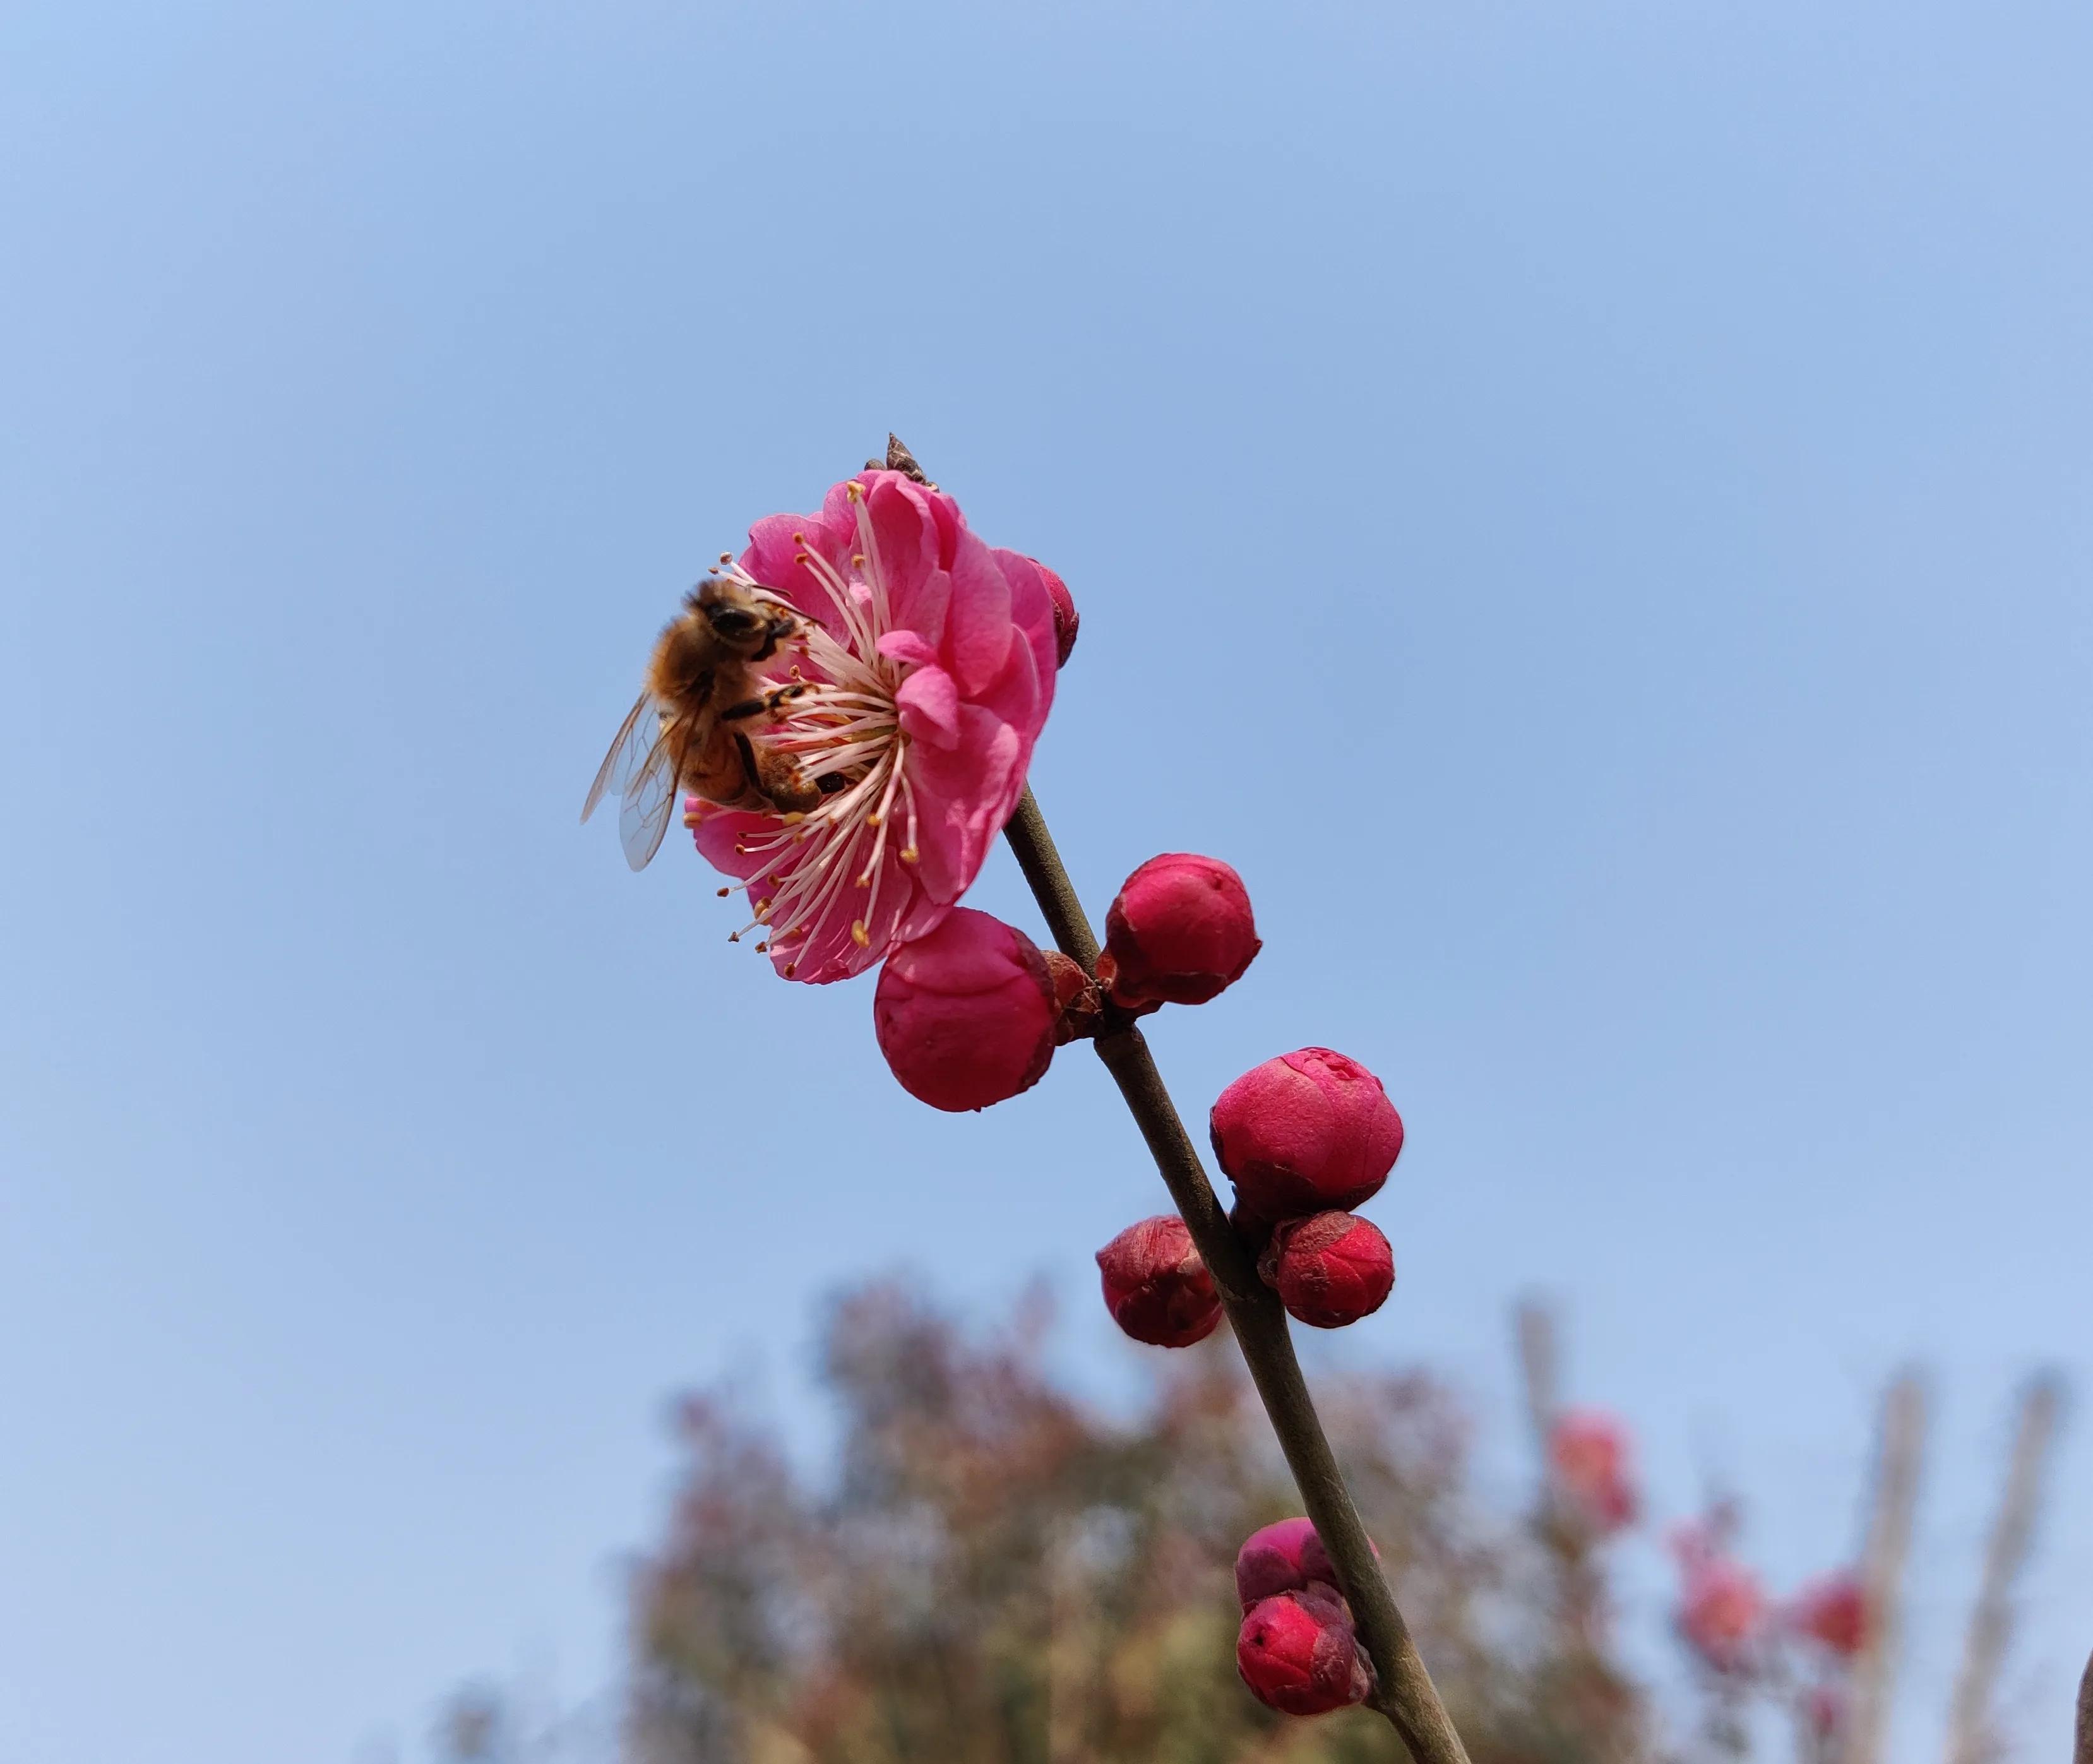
point(1285, 1558)
point(1156, 1287)
point(1075, 997)
point(966, 1013)
point(1329, 1269)
point(1065, 618)
point(1179, 932)
point(1298, 1653)
point(1305, 1133)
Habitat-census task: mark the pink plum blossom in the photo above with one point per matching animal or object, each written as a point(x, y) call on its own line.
point(1722, 1611)
point(928, 661)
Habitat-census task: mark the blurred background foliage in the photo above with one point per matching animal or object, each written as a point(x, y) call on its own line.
point(996, 1572)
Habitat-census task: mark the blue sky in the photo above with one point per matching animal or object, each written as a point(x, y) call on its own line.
point(1587, 507)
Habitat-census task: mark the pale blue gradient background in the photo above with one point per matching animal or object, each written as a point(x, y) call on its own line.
point(1587, 507)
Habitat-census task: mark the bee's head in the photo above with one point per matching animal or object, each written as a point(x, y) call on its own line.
point(742, 624)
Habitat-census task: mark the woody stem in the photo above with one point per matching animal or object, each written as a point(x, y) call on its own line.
point(1404, 1693)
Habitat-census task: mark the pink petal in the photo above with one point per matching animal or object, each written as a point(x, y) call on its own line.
point(721, 829)
point(977, 627)
point(950, 523)
point(907, 538)
point(911, 647)
point(929, 705)
point(772, 556)
point(928, 606)
point(1031, 608)
point(1014, 696)
point(967, 793)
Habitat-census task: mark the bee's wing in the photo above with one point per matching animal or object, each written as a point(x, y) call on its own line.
point(650, 799)
point(638, 768)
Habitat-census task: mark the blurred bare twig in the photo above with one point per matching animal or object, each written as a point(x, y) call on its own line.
point(1899, 1451)
point(2081, 1750)
point(1539, 1370)
point(1970, 1737)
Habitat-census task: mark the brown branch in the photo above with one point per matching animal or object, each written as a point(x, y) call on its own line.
point(1970, 1739)
point(1404, 1693)
point(1895, 1497)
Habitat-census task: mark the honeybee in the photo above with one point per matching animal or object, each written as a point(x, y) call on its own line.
point(689, 730)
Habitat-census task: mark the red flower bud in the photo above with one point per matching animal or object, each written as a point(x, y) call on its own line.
point(1834, 1612)
point(1075, 997)
point(1156, 1287)
point(966, 1014)
point(1305, 1133)
point(1285, 1557)
point(1298, 1653)
point(1179, 932)
point(1065, 620)
point(1330, 1269)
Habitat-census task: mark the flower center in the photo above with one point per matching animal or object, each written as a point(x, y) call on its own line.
point(841, 726)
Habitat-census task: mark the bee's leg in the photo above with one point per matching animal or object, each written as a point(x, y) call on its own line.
point(776, 778)
point(773, 701)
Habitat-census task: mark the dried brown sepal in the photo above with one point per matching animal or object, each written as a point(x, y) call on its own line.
point(1076, 996)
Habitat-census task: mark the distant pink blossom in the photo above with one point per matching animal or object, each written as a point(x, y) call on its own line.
point(1833, 1611)
point(1588, 1450)
point(928, 659)
point(1722, 1612)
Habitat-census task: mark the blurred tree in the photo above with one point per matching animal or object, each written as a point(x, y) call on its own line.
point(1002, 1576)
point(995, 1573)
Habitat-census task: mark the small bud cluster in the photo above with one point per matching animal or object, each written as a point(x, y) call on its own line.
point(1179, 932)
point(1306, 1138)
point(1297, 1649)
